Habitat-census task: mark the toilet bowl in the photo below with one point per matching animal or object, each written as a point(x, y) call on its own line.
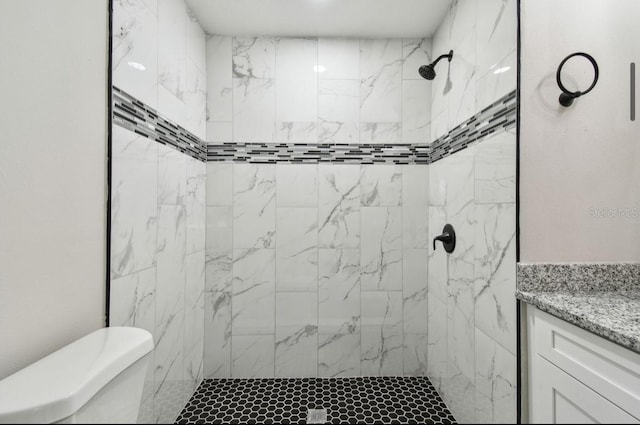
point(97, 379)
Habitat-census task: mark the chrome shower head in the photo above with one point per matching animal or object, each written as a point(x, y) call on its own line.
point(428, 72)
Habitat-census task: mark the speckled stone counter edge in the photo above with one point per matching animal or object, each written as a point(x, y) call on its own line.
point(578, 277)
point(595, 325)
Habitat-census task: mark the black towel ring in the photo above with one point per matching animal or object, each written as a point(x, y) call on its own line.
point(567, 97)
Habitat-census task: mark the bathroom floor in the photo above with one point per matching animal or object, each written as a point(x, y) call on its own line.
point(345, 400)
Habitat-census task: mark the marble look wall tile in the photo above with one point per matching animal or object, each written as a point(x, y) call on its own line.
point(254, 206)
point(500, 80)
point(416, 111)
point(439, 124)
point(296, 99)
point(296, 80)
point(253, 356)
point(172, 47)
point(219, 132)
point(495, 273)
point(296, 335)
point(339, 355)
point(495, 169)
point(219, 252)
point(381, 333)
point(415, 226)
point(217, 337)
point(338, 111)
point(339, 292)
point(440, 88)
point(415, 211)
point(415, 185)
point(381, 185)
point(254, 115)
point(297, 249)
point(381, 253)
point(196, 44)
point(219, 79)
point(195, 205)
point(460, 292)
point(219, 184)
point(414, 291)
point(437, 342)
point(297, 185)
point(438, 259)
point(253, 301)
point(134, 203)
point(458, 392)
point(133, 300)
point(415, 53)
point(415, 354)
point(170, 296)
point(254, 57)
point(460, 328)
point(172, 176)
point(495, 382)
point(195, 100)
point(451, 181)
point(380, 80)
point(380, 132)
point(135, 42)
point(496, 32)
point(171, 107)
point(339, 206)
point(462, 96)
point(340, 57)
point(297, 132)
point(458, 23)
point(194, 319)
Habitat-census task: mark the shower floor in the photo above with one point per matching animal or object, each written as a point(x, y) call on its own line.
point(346, 400)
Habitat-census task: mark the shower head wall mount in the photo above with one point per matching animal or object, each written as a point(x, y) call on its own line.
point(428, 71)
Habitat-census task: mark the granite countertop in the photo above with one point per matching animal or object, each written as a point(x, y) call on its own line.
point(614, 315)
point(601, 298)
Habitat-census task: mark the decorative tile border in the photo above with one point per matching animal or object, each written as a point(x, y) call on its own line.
point(134, 115)
point(497, 117)
point(577, 277)
point(319, 152)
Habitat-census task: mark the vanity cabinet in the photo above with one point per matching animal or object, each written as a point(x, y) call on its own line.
point(575, 376)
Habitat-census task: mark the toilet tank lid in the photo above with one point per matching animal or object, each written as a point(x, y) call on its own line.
point(56, 386)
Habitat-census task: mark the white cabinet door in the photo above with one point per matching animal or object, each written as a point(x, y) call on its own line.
point(560, 399)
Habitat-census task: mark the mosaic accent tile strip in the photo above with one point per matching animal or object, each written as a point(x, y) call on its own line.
point(494, 119)
point(302, 153)
point(497, 117)
point(346, 400)
point(577, 277)
point(134, 115)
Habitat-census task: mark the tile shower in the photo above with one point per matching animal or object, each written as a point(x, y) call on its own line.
point(311, 266)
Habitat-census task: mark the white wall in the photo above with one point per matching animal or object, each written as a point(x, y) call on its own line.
point(53, 112)
point(587, 156)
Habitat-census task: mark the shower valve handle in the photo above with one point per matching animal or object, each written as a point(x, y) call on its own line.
point(448, 239)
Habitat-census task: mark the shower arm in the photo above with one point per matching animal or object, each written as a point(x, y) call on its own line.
point(448, 56)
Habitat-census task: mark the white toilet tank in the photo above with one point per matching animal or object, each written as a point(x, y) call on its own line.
point(96, 379)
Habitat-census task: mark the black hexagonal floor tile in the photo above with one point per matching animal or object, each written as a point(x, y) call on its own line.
point(347, 400)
